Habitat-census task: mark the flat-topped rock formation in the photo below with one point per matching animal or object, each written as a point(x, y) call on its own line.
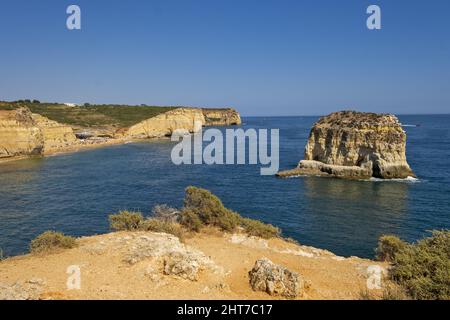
point(358, 145)
point(221, 117)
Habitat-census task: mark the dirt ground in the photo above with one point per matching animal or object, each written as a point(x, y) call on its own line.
point(112, 266)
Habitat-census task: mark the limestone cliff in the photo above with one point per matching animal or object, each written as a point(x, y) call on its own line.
point(56, 136)
point(220, 117)
point(23, 133)
point(352, 144)
point(162, 125)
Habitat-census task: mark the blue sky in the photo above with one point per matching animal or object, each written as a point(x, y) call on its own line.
point(282, 57)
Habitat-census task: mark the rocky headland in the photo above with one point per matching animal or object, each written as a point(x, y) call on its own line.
point(222, 117)
point(24, 133)
point(165, 124)
point(355, 145)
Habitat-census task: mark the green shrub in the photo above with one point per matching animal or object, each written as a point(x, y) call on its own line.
point(391, 292)
point(164, 226)
point(51, 240)
point(388, 247)
point(202, 208)
point(191, 220)
point(259, 229)
point(125, 221)
point(423, 268)
point(210, 209)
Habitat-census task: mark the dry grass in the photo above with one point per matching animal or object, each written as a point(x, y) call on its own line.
point(164, 226)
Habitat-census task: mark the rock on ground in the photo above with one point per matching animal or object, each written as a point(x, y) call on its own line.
point(275, 279)
point(29, 290)
point(178, 259)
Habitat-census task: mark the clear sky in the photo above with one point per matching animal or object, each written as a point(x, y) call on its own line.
point(275, 57)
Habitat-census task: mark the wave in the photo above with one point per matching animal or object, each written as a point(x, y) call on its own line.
point(408, 179)
point(410, 125)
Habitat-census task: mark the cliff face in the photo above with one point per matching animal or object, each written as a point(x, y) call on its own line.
point(56, 136)
point(24, 133)
point(221, 117)
point(164, 124)
point(356, 145)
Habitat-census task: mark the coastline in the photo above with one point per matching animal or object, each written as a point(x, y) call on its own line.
point(78, 148)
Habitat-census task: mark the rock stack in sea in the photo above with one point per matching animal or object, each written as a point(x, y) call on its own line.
point(358, 145)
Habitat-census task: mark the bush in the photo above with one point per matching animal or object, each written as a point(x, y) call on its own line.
point(258, 229)
point(51, 240)
point(394, 293)
point(164, 226)
point(210, 209)
point(190, 220)
point(166, 213)
point(126, 221)
point(423, 268)
point(202, 208)
point(388, 247)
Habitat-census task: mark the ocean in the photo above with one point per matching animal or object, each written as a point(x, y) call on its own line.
point(75, 192)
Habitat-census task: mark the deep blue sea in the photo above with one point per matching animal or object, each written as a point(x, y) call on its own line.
point(74, 193)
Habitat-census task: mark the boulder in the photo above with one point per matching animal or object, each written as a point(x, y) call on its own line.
point(177, 258)
point(275, 280)
point(181, 265)
point(28, 290)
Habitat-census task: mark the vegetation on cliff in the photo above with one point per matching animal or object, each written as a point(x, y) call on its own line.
point(115, 115)
point(90, 115)
point(422, 268)
point(201, 208)
point(419, 270)
point(51, 240)
point(201, 205)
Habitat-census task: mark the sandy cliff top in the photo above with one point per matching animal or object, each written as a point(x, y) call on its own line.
point(129, 265)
